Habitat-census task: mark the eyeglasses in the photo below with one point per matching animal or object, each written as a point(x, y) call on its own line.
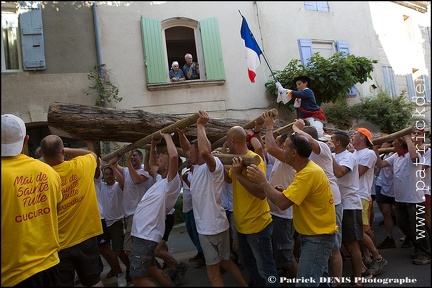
point(293, 138)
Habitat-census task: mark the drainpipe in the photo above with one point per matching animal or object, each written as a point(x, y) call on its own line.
point(99, 57)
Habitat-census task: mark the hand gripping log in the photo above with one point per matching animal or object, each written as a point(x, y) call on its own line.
point(181, 124)
point(249, 125)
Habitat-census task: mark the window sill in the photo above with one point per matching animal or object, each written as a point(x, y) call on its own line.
point(184, 84)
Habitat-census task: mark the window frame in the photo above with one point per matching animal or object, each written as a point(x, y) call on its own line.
point(156, 32)
point(11, 8)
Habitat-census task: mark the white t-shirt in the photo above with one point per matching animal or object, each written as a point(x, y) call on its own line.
point(348, 184)
point(149, 218)
point(405, 178)
point(111, 198)
point(385, 180)
point(325, 161)
point(187, 197)
point(97, 182)
point(366, 157)
point(206, 189)
point(132, 193)
point(282, 174)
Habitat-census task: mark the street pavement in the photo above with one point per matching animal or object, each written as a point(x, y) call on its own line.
point(399, 267)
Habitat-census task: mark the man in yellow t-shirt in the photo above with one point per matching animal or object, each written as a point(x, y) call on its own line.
point(314, 213)
point(30, 193)
point(79, 218)
point(252, 216)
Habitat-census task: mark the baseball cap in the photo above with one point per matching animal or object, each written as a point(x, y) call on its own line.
point(366, 133)
point(13, 132)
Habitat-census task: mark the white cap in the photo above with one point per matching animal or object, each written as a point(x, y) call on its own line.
point(13, 132)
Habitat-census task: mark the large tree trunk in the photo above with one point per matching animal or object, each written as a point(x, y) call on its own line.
point(110, 124)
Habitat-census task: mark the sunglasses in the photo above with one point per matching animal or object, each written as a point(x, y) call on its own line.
point(293, 139)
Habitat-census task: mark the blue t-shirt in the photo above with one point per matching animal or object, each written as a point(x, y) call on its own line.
point(179, 74)
point(194, 74)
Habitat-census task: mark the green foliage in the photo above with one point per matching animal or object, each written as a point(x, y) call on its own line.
point(331, 78)
point(338, 113)
point(390, 114)
point(106, 90)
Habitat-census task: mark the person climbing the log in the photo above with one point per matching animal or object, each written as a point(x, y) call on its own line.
point(304, 100)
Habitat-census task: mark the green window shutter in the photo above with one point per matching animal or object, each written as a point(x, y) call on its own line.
point(212, 49)
point(154, 59)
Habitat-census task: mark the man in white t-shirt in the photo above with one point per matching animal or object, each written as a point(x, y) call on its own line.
point(406, 163)
point(345, 169)
point(136, 182)
point(206, 190)
point(366, 159)
point(148, 225)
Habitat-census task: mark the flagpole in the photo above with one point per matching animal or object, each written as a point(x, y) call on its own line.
point(265, 58)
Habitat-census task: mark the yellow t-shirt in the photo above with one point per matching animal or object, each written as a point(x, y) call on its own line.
point(251, 215)
point(79, 217)
point(314, 210)
point(30, 192)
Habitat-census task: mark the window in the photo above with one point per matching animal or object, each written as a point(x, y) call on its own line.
point(10, 42)
point(389, 82)
point(326, 49)
point(22, 34)
point(171, 39)
point(418, 87)
point(321, 6)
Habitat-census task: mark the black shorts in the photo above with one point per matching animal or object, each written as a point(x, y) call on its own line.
point(45, 278)
point(386, 200)
point(169, 224)
point(84, 258)
point(352, 225)
point(104, 238)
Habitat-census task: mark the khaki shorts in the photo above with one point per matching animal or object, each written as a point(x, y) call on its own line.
point(215, 247)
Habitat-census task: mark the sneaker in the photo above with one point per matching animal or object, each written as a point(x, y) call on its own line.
point(367, 274)
point(110, 274)
point(377, 266)
point(121, 280)
point(199, 256)
point(415, 254)
point(387, 243)
point(367, 263)
point(180, 273)
point(402, 239)
point(422, 260)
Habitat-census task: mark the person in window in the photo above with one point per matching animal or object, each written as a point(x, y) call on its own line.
point(175, 73)
point(191, 69)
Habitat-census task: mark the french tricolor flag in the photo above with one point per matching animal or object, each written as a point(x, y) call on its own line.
point(253, 51)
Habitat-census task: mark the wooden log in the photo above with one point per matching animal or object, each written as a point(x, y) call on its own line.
point(181, 124)
point(401, 133)
point(391, 149)
point(251, 124)
point(111, 124)
point(226, 159)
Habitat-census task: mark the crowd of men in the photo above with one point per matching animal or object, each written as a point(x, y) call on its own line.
point(287, 216)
